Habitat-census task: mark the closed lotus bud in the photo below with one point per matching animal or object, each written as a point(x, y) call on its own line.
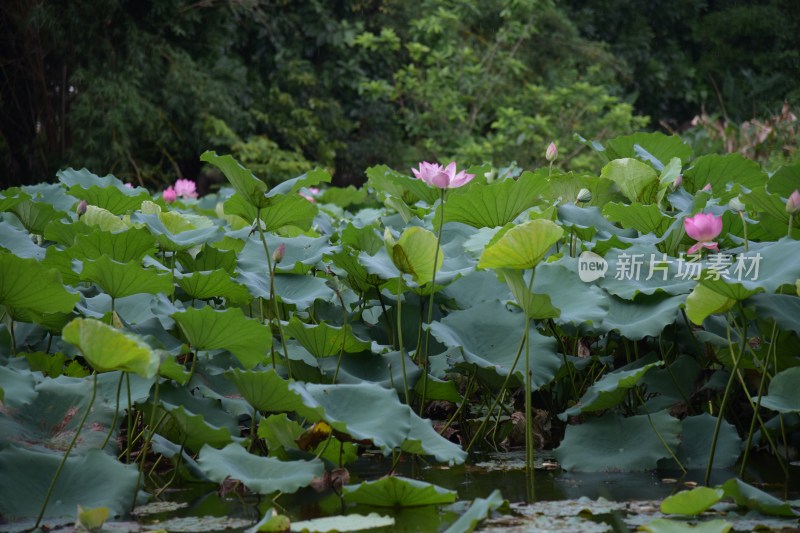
point(793, 203)
point(81, 208)
point(552, 153)
point(277, 255)
point(584, 195)
point(678, 182)
point(707, 188)
point(736, 205)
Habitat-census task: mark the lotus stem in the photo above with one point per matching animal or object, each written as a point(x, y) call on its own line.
point(744, 229)
point(147, 438)
point(67, 452)
point(424, 357)
point(757, 407)
point(344, 334)
point(116, 412)
point(402, 347)
point(467, 392)
point(658, 433)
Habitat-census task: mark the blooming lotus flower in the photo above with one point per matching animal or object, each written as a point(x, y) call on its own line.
point(793, 203)
point(551, 153)
point(169, 195)
point(186, 189)
point(703, 228)
point(442, 177)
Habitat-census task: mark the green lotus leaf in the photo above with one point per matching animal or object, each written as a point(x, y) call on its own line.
point(26, 283)
point(720, 170)
point(563, 188)
point(94, 479)
point(311, 178)
point(365, 239)
point(385, 369)
point(756, 499)
point(19, 243)
point(784, 394)
point(612, 443)
point(91, 519)
point(277, 212)
point(609, 391)
point(535, 305)
point(489, 336)
point(216, 283)
point(301, 254)
point(395, 491)
point(784, 309)
point(643, 218)
point(480, 509)
point(280, 434)
point(269, 393)
point(664, 525)
point(192, 430)
point(692, 502)
point(209, 258)
point(523, 246)
point(176, 231)
point(646, 316)
point(118, 200)
point(209, 329)
point(493, 204)
point(638, 181)
point(696, 437)
point(107, 348)
point(344, 197)
point(323, 340)
point(703, 302)
point(414, 254)
point(252, 189)
point(383, 179)
point(301, 291)
point(658, 145)
point(784, 180)
point(344, 523)
point(581, 304)
point(65, 231)
point(263, 475)
point(18, 385)
point(35, 216)
point(103, 219)
point(424, 440)
point(643, 269)
point(125, 279)
point(86, 179)
point(11, 197)
point(124, 246)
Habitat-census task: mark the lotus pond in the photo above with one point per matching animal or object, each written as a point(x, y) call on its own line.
point(437, 350)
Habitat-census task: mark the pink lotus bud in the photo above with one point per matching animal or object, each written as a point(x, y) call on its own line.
point(703, 228)
point(81, 209)
point(677, 182)
point(793, 203)
point(277, 255)
point(169, 195)
point(442, 177)
point(186, 189)
point(129, 185)
point(551, 153)
point(707, 188)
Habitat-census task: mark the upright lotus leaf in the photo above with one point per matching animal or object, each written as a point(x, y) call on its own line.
point(670, 173)
point(118, 200)
point(366, 239)
point(125, 279)
point(783, 181)
point(26, 283)
point(301, 254)
point(312, 178)
point(696, 438)
point(612, 443)
point(643, 218)
point(19, 385)
point(124, 246)
point(658, 145)
point(643, 269)
point(209, 329)
point(103, 219)
point(277, 211)
point(692, 502)
point(107, 348)
point(86, 179)
point(11, 197)
point(19, 243)
point(703, 302)
point(263, 475)
point(564, 188)
point(784, 309)
point(35, 216)
point(301, 291)
point(344, 197)
point(193, 430)
point(209, 258)
point(720, 170)
point(609, 391)
point(638, 181)
point(270, 393)
point(391, 182)
point(177, 231)
point(323, 340)
point(65, 231)
point(493, 204)
point(357, 276)
point(523, 246)
point(489, 336)
point(396, 491)
point(784, 394)
point(414, 254)
point(764, 269)
point(580, 304)
point(252, 189)
point(216, 283)
point(94, 479)
point(479, 510)
point(536, 306)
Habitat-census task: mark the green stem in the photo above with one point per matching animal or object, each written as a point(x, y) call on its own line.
point(736, 359)
point(13, 338)
point(147, 438)
point(744, 228)
point(402, 347)
point(658, 433)
point(344, 334)
point(67, 452)
point(386, 317)
point(130, 419)
point(424, 357)
point(116, 412)
point(467, 392)
point(791, 221)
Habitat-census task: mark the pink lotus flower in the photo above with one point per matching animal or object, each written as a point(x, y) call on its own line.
point(793, 203)
point(186, 189)
point(442, 177)
point(169, 195)
point(311, 195)
point(703, 228)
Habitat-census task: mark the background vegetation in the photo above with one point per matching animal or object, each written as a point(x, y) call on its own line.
point(141, 88)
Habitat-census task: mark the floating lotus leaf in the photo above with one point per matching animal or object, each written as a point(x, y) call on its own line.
point(395, 491)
